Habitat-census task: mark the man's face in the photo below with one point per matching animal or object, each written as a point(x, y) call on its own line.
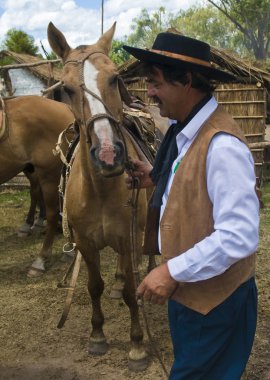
point(170, 97)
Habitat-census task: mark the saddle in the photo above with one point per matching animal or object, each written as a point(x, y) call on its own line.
point(139, 123)
point(141, 126)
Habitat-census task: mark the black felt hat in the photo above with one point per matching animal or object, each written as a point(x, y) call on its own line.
point(181, 52)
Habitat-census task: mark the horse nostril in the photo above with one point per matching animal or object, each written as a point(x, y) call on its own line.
point(119, 148)
point(93, 153)
point(108, 155)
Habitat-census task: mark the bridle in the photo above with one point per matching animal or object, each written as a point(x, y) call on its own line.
point(89, 123)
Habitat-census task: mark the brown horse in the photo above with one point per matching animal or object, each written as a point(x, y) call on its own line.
point(29, 129)
point(96, 193)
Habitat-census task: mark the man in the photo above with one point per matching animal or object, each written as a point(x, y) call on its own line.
point(203, 217)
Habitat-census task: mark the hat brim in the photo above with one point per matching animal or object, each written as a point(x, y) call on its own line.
point(152, 57)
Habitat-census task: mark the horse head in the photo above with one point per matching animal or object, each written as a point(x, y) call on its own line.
point(90, 79)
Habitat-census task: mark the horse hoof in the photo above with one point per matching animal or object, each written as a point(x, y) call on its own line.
point(116, 294)
point(38, 230)
point(98, 348)
point(23, 234)
point(24, 230)
point(67, 257)
point(138, 365)
point(34, 272)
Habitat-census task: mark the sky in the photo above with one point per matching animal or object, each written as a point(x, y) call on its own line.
point(78, 20)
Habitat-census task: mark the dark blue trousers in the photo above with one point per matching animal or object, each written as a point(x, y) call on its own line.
point(215, 346)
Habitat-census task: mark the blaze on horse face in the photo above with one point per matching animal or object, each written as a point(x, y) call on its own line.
point(91, 81)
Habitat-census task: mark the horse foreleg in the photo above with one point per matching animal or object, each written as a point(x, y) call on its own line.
point(25, 228)
point(138, 357)
point(38, 225)
point(51, 201)
point(98, 344)
point(117, 288)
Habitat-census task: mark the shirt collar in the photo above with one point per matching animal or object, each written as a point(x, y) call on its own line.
point(197, 121)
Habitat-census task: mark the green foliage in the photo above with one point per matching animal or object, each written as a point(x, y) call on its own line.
point(20, 42)
point(118, 55)
point(147, 26)
point(251, 18)
point(51, 55)
point(209, 25)
point(6, 61)
point(243, 26)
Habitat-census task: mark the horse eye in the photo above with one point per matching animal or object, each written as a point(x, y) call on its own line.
point(68, 90)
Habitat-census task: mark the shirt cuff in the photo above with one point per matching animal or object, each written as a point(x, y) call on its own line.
point(179, 270)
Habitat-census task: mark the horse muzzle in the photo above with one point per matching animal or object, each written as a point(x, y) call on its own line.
point(109, 159)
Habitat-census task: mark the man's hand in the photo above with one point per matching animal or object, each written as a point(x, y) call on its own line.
point(157, 286)
point(142, 170)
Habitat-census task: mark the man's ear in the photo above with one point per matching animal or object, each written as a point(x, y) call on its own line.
point(189, 80)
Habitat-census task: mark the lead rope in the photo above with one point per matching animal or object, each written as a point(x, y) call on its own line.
point(136, 275)
point(76, 262)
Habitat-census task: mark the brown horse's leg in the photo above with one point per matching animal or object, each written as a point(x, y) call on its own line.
point(97, 344)
point(25, 228)
point(138, 357)
point(38, 225)
point(51, 201)
point(117, 288)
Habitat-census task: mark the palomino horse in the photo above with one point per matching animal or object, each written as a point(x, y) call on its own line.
point(96, 193)
point(29, 130)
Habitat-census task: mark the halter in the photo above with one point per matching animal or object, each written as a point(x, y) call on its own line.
point(89, 123)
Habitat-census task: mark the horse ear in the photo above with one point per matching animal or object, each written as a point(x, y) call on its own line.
point(105, 41)
point(58, 41)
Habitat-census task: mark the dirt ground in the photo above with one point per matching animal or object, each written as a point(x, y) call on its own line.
point(32, 348)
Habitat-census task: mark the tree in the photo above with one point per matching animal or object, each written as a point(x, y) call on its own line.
point(209, 25)
point(118, 55)
point(205, 23)
point(20, 42)
point(145, 27)
point(251, 18)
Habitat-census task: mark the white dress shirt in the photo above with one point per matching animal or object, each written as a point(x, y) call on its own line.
point(230, 183)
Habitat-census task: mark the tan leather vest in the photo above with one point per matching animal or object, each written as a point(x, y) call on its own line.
point(187, 219)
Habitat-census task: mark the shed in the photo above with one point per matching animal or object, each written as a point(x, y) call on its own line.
point(245, 99)
point(28, 75)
